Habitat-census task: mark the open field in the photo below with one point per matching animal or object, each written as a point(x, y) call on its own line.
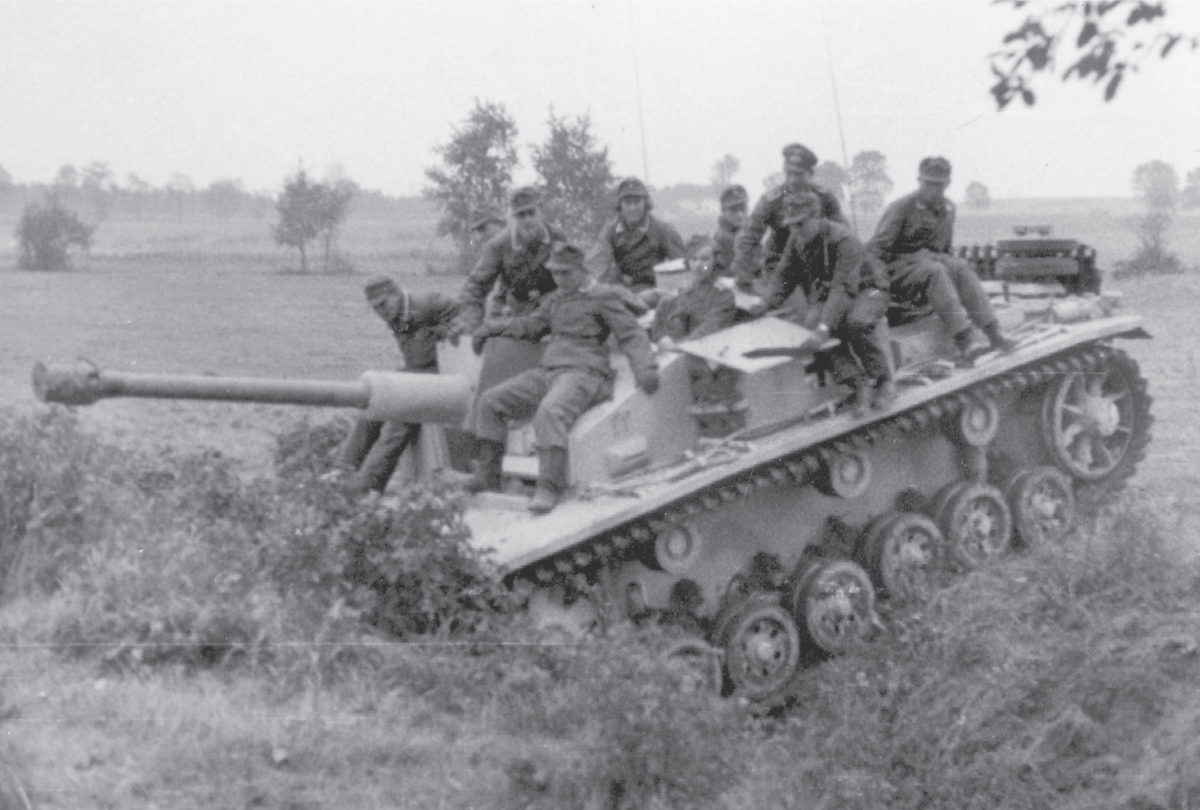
point(207, 298)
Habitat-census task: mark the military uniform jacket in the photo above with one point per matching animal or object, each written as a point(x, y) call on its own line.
point(627, 256)
point(768, 215)
point(830, 269)
point(699, 310)
point(910, 225)
point(420, 324)
point(723, 246)
point(517, 269)
point(579, 325)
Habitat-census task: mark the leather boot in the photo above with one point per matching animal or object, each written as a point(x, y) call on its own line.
point(999, 342)
point(885, 394)
point(487, 474)
point(963, 342)
point(862, 397)
point(552, 479)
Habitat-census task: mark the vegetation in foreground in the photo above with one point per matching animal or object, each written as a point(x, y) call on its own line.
point(176, 634)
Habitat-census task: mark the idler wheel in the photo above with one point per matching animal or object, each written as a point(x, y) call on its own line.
point(977, 524)
point(698, 663)
point(762, 649)
point(1042, 501)
point(846, 474)
point(900, 550)
point(978, 422)
point(834, 601)
point(1092, 419)
point(677, 547)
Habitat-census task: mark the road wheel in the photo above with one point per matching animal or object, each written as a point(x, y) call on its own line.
point(762, 649)
point(900, 551)
point(977, 525)
point(834, 601)
point(1042, 501)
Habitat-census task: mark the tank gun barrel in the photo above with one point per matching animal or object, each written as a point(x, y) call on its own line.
point(383, 395)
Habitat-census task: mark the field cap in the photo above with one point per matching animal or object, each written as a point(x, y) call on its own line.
point(485, 214)
point(734, 195)
point(934, 169)
point(524, 198)
point(631, 187)
point(799, 156)
point(565, 256)
point(801, 206)
point(379, 285)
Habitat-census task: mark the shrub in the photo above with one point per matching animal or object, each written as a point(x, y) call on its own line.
point(47, 234)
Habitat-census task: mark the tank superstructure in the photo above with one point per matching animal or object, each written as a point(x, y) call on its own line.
point(749, 506)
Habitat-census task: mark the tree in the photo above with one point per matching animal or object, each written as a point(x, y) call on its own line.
point(576, 176)
point(1101, 40)
point(48, 233)
point(868, 181)
point(832, 176)
point(225, 198)
point(308, 210)
point(96, 184)
point(137, 189)
point(723, 172)
point(977, 196)
point(1157, 184)
point(1190, 198)
point(179, 187)
point(477, 168)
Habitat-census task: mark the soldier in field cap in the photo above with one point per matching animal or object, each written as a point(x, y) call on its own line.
point(574, 374)
point(631, 244)
point(486, 221)
point(913, 239)
point(373, 449)
point(735, 202)
point(766, 218)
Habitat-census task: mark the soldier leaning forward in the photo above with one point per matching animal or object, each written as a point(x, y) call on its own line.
point(574, 374)
point(514, 262)
point(630, 245)
point(845, 294)
point(767, 216)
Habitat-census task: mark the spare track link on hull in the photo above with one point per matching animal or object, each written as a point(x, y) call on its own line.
point(574, 569)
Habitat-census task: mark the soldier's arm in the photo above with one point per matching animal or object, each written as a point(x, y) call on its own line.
point(887, 233)
point(720, 314)
point(533, 326)
point(832, 209)
point(943, 237)
point(844, 285)
point(477, 286)
point(630, 336)
point(601, 262)
point(434, 310)
point(782, 282)
point(748, 242)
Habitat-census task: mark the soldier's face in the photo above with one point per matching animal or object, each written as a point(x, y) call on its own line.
point(796, 178)
point(736, 214)
point(701, 263)
point(528, 221)
point(633, 209)
point(386, 304)
point(932, 190)
point(569, 279)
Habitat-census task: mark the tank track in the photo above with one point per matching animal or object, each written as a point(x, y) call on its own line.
point(575, 570)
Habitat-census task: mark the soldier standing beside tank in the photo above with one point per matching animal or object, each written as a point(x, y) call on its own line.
point(631, 244)
point(514, 263)
point(373, 449)
point(735, 203)
point(845, 296)
point(767, 217)
point(574, 374)
point(913, 239)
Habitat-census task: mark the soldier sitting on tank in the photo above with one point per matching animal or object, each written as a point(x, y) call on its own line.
point(844, 297)
point(373, 449)
point(767, 217)
point(734, 205)
point(575, 374)
point(631, 244)
point(913, 239)
point(700, 308)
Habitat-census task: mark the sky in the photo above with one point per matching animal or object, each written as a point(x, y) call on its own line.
point(252, 90)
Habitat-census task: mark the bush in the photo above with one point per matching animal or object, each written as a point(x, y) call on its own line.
point(47, 234)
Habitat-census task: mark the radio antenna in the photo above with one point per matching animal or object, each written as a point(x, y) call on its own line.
point(837, 109)
point(637, 83)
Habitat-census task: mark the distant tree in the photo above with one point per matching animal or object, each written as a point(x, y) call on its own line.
point(830, 175)
point(309, 210)
point(477, 168)
point(1190, 198)
point(48, 233)
point(723, 172)
point(224, 198)
point(96, 183)
point(137, 189)
point(67, 177)
point(6, 181)
point(179, 188)
point(977, 196)
point(1101, 40)
point(1157, 184)
point(576, 175)
point(868, 181)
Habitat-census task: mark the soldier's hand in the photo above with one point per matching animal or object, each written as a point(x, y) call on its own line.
point(648, 381)
point(477, 342)
point(812, 317)
point(757, 308)
point(666, 344)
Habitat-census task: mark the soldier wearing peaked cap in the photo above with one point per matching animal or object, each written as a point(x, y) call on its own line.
point(574, 374)
point(767, 216)
point(913, 239)
point(418, 322)
point(631, 244)
point(735, 203)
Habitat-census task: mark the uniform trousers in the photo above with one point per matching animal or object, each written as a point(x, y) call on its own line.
point(374, 449)
point(923, 282)
point(555, 398)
